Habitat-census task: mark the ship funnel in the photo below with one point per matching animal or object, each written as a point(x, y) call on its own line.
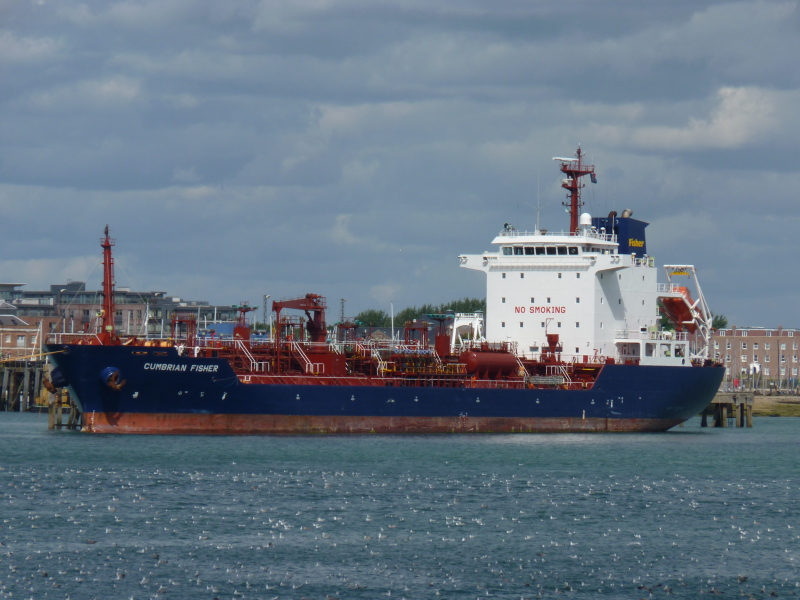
point(626, 213)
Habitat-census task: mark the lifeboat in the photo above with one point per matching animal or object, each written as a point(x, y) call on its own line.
point(680, 311)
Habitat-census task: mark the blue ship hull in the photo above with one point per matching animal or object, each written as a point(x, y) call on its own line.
point(168, 393)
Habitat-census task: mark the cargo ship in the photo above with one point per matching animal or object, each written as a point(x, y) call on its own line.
point(571, 341)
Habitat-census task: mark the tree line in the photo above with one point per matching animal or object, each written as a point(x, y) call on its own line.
point(380, 318)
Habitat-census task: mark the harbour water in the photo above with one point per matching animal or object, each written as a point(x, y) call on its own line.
point(689, 512)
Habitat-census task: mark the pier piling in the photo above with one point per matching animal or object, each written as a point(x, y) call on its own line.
point(735, 405)
point(21, 384)
point(56, 405)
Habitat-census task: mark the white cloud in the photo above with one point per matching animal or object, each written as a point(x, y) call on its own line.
point(186, 175)
point(739, 117)
point(359, 172)
point(21, 50)
point(131, 15)
point(384, 294)
point(114, 93)
point(340, 232)
point(182, 100)
point(51, 270)
point(743, 115)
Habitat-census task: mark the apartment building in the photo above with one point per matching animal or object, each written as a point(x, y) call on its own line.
point(758, 357)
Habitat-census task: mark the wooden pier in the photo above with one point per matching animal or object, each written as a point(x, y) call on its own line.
point(729, 409)
point(20, 383)
point(22, 389)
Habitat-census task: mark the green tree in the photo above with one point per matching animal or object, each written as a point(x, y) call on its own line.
point(465, 305)
point(719, 321)
point(374, 318)
point(380, 318)
point(407, 314)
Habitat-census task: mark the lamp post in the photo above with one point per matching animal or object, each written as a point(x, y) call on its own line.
point(269, 331)
point(64, 318)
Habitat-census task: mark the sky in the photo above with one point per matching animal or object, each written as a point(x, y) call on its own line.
point(354, 148)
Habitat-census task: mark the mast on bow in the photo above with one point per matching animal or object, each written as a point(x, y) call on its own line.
point(108, 335)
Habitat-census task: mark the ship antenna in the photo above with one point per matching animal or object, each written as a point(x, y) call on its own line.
point(391, 304)
point(574, 169)
point(537, 198)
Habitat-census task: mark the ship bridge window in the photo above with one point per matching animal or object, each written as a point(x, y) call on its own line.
point(529, 250)
point(551, 250)
point(507, 250)
point(539, 250)
point(562, 250)
point(518, 250)
point(573, 250)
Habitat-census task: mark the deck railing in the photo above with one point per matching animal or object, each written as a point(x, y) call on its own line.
point(595, 235)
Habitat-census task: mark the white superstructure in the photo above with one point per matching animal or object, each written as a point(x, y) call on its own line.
point(600, 303)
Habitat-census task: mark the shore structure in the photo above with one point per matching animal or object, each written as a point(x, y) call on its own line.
point(758, 359)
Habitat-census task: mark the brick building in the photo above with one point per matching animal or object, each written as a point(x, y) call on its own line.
point(759, 358)
point(17, 338)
